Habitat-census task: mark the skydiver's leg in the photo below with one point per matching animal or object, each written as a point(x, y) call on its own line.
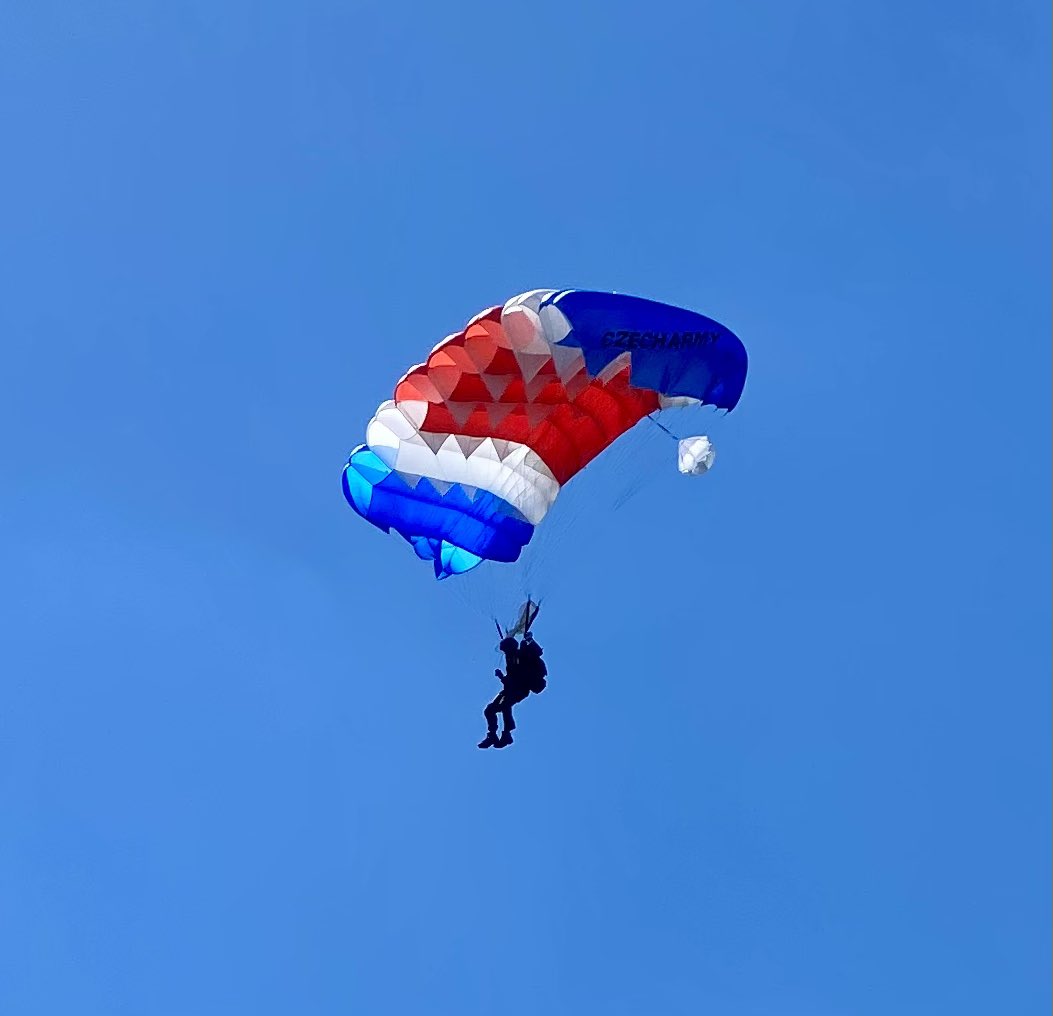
point(509, 720)
point(491, 711)
point(509, 723)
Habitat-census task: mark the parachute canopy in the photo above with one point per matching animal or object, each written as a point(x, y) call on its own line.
point(695, 455)
point(472, 451)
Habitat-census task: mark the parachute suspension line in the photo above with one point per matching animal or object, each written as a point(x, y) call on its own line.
point(650, 416)
point(634, 446)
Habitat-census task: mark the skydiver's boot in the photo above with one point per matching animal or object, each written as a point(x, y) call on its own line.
point(490, 741)
point(504, 740)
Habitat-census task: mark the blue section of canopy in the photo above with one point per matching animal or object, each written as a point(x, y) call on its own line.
point(453, 530)
point(672, 351)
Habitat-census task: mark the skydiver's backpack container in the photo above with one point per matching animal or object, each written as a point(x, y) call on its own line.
point(538, 672)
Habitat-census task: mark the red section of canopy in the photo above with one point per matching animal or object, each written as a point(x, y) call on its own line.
point(483, 382)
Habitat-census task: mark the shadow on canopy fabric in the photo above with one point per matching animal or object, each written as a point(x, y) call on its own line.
point(472, 451)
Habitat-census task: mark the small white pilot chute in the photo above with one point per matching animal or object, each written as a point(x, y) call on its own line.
point(695, 455)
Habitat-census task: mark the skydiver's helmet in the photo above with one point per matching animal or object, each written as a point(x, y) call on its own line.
point(528, 637)
point(508, 644)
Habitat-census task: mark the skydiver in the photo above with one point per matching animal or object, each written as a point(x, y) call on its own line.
point(524, 673)
point(514, 689)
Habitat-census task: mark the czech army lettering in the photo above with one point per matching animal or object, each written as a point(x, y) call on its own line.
point(658, 340)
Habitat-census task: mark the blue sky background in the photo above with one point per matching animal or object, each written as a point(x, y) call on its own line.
point(794, 756)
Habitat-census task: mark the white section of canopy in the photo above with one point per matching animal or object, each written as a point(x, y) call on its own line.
point(677, 401)
point(506, 469)
point(548, 322)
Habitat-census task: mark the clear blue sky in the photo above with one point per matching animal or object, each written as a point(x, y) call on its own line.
point(794, 756)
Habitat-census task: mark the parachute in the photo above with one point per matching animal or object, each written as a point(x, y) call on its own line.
point(470, 455)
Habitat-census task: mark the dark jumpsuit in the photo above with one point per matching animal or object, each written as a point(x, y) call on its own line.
point(513, 692)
